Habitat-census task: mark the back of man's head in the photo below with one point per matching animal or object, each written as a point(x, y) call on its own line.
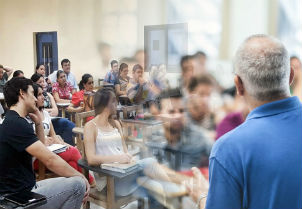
point(262, 63)
point(13, 88)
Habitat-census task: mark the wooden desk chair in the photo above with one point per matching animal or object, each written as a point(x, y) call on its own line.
point(108, 199)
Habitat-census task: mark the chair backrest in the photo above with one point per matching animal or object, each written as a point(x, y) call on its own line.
point(80, 119)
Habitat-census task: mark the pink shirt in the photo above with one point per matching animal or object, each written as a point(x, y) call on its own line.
point(65, 92)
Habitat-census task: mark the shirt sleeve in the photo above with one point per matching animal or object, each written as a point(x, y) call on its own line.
point(23, 135)
point(224, 191)
point(107, 77)
point(55, 88)
point(5, 76)
point(75, 85)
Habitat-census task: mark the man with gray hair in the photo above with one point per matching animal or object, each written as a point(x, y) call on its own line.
point(259, 164)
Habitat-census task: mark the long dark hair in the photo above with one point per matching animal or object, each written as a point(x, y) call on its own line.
point(101, 101)
point(102, 98)
point(35, 77)
point(36, 90)
point(84, 80)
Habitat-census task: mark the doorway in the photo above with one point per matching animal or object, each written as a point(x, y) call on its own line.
point(47, 50)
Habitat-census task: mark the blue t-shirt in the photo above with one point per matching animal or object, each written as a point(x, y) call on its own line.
point(111, 77)
point(259, 164)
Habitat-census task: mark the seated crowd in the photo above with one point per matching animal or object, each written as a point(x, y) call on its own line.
point(222, 154)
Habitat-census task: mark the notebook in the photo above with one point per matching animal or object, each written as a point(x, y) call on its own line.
point(121, 168)
point(57, 148)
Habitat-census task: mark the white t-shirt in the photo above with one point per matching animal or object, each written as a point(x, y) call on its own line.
point(46, 123)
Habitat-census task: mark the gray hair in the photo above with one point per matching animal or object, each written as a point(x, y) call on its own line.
point(262, 62)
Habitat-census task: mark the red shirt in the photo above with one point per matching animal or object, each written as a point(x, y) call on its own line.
point(65, 92)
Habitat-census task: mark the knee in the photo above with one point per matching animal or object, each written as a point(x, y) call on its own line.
point(79, 185)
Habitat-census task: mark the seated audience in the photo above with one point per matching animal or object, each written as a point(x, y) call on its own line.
point(122, 80)
point(104, 143)
point(18, 73)
point(112, 75)
point(19, 143)
point(296, 85)
point(82, 101)
point(62, 126)
point(62, 90)
point(4, 75)
point(72, 154)
point(65, 63)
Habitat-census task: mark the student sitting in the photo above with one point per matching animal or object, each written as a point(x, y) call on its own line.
point(62, 89)
point(18, 73)
point(111, 76)
point(19, 143)
point(122, 81)
point(72, 154)
point(82, 101)
point(138, 90)
point(62, 126)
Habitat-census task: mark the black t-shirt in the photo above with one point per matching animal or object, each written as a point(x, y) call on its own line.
point(16, 171)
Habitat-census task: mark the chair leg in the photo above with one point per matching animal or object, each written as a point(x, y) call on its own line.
point(87, 205)
point(141, 203)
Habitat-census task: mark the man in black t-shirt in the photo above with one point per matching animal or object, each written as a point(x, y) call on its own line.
point(18, 143)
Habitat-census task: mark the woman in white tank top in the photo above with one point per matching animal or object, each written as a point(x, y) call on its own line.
point(104, 143)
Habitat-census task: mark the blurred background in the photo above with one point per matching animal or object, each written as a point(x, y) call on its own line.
point(90, 33)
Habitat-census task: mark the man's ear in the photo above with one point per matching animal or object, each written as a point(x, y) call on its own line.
point(22, 94)
point(239, 85)
point(292, 75)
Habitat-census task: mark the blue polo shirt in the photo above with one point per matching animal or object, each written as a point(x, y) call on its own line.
point(259, 164)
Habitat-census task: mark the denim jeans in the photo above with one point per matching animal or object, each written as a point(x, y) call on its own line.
point(61, 192)
point(63, 127)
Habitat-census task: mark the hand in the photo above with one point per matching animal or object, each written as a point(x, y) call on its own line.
point(87, 190)
point(125, 158)
point(197, 185)
point(51, 112)
point(141, 81)
point(36, 117)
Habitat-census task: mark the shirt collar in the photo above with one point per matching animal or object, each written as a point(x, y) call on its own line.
point(276, 107)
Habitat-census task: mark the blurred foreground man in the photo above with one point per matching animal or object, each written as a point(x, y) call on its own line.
point(259, 164)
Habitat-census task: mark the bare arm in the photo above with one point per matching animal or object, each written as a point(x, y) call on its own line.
point(90, 134)
point(72, 108)
point(118, 90)
point(58, 99)
point(8, 71)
